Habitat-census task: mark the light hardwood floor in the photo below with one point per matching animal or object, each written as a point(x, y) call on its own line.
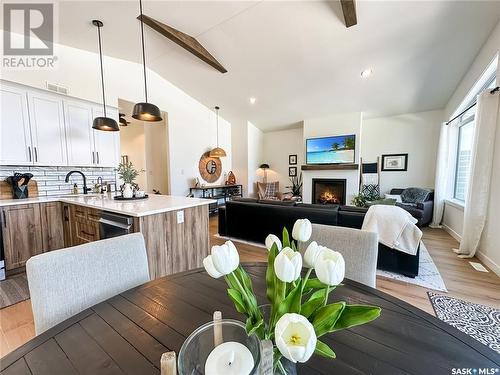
point(462, 281)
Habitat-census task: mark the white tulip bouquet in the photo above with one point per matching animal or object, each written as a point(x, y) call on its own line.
point(300, 312)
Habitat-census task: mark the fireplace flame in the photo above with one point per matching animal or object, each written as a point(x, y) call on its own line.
point(328, 197)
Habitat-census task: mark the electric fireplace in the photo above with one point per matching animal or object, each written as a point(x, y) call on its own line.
point(328, 191)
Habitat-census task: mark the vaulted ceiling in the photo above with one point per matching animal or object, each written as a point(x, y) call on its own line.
point(297, 58)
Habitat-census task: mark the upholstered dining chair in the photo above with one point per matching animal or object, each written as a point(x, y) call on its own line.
point(65, 282)
point(359, 249)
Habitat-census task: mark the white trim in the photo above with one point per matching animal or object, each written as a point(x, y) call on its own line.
point(455, 203)
point(489, 262)
point(452, 233)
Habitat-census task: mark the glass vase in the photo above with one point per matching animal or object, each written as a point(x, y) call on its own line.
point(198, 346)
point(285, 366)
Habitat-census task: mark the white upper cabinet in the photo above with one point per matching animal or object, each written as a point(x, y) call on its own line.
point(79, 133)
point(106, 144)
point(15, 135)
point(43, 128)
point(47, 129)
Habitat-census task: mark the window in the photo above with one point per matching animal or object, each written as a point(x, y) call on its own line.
point(464, 149)
point(465, 124)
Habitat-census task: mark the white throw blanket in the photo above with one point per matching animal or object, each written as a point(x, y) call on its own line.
point(395, 227)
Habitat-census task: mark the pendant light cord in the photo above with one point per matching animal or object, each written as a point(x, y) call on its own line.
point(102, 70)
point(143, 53)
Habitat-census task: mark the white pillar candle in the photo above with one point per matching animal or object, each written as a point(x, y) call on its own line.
point(229, 358)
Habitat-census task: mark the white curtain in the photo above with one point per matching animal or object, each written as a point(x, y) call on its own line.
point(483, 147)
point(441, 181)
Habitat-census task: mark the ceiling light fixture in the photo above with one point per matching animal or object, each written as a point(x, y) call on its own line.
point(252, 100)
point(145, 111)
point(366, 73)
point(217, 152)
point(103, 123)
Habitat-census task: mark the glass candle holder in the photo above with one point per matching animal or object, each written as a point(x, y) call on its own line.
point(200, 344)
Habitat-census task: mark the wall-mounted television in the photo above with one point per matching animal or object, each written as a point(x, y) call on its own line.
point(331, 150)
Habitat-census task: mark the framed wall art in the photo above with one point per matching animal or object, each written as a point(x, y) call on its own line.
point(395, 162)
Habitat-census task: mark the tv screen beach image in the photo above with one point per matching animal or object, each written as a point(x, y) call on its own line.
point(330, 150)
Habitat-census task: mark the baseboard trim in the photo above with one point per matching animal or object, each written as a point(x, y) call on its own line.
point(452, 233)
point(488, 262)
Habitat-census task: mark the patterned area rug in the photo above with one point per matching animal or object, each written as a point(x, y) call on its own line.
point(478, 321)
point(428, 274)
point(13, 290)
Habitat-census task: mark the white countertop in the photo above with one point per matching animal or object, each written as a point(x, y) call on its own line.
point(154, 204)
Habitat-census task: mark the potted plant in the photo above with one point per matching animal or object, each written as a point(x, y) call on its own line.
point(296, 187)
point(359, 200)
point(127, 173)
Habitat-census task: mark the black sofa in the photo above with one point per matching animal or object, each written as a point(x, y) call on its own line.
point(252, 220)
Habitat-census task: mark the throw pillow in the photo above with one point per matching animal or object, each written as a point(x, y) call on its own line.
point(371, 192)
point(414, 195)
point(268, 190)
point(272, 189)
point(397, 197)
point(385, 202)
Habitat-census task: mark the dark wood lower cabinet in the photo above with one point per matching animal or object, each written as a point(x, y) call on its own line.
point(52, 229)
point(172, 245)
point(22, 234)
point(81, 224)
point(28, 230)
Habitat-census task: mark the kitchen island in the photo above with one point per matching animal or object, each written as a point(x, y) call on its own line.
point(175, 228)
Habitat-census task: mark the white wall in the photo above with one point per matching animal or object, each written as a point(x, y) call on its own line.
point(489, 249)
point(416, 134)
point(156, 151)
point(239, 152)
point(487, 53)
point(277, 146)
point(338, 124)
point(191, 129)
point(255, 154)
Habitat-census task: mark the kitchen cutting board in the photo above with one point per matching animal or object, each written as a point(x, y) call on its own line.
point(6, 190)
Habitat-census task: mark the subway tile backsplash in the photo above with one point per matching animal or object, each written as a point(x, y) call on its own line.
point(51, 179)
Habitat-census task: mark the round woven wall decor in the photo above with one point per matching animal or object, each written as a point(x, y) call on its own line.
point(210, 168)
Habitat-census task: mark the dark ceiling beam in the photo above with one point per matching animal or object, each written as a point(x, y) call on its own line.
point(349, 10)
point(184, 40)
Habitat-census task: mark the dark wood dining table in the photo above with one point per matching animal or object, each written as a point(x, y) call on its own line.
point(128, 333)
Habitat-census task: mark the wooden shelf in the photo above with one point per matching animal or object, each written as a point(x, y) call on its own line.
point(329, 167)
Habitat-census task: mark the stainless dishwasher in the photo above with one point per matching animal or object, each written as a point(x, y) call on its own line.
point(114, 225)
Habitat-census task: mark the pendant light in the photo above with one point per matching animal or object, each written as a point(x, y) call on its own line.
point(122, 120)
point(103, 123)
point(145, 111)
point(217, 152)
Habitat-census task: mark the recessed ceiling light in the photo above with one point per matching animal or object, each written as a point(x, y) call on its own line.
point(366, 73)
point(252, 100)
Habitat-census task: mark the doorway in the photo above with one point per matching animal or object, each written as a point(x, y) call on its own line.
point(145, 145)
